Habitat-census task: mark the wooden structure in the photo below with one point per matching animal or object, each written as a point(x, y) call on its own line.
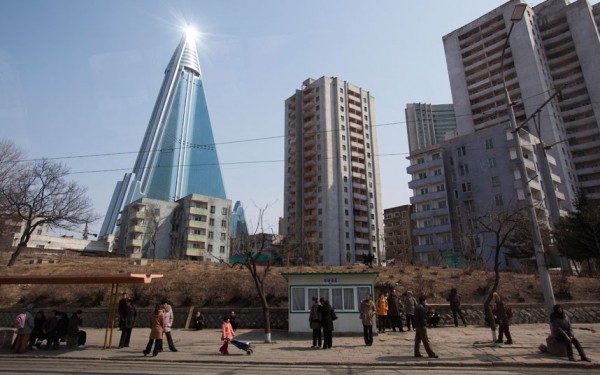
point(114, 280)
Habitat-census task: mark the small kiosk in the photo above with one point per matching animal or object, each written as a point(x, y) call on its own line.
point(344, 290)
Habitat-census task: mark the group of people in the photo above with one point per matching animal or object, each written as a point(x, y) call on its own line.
point(33, 330)
point(321, 319)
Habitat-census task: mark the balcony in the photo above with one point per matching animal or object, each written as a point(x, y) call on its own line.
point(136, 229)
point(134, 242)
point(196, 237)
point(198, 211)
point(197, 224)
point(192, 252)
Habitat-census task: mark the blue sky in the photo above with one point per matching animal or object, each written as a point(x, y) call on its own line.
point(79, 78)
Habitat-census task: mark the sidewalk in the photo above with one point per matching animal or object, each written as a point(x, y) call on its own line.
point(456, 346)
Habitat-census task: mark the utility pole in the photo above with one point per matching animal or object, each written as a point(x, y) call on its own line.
point(540, 257)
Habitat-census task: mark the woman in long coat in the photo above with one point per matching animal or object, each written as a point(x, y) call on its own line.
point(156, 332)
point(367, 313)
point(503, 319)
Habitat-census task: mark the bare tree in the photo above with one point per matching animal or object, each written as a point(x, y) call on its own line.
point(39, 195)
point(500, 224)
point(10, 156)
point(250, 256)
point(153, 222)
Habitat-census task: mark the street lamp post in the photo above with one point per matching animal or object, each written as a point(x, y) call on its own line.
point(517, 15)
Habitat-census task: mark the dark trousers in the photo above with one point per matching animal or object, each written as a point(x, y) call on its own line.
point(157, 346)
point(456, 312)
point(125, 337)
point(327, 338)
point(410, 320)
point(368, 334)
point(316, 337)
point(395, 322)
point(421, 335)
point(569, 346)
point(504, 330)
point(81, 337)
point(381, 323)
point(170, 341)
point(53, 339)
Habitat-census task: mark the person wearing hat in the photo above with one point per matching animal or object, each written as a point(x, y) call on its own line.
point(74, 323)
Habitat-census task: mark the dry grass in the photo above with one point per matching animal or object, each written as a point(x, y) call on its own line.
point(200, 284)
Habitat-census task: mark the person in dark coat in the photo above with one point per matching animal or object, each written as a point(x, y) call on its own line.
point(503, 320)
point(127, 316)
point(421, 329)
point(62, 327)
point(199, 321)
point(327, 318)
point(233, 321)
point(561, 330)
point(37, 335)
point(74, 323)
point(394, 312)
point(314, 320)
point(454, 299)
point(50, 330)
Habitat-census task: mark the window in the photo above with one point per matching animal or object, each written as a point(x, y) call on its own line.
point(223, 223)
point(466, 187)
point(437, 172)
point(422, 175)
point(211, 222)
point(211, 234)
point(489, 144)
point(464, 169)
point(210, 248)
point(492, 162)
point(440, 187)
point(461, 151)
point(498, 200)
point(39, 231)
point(212, 209)
point(224, 211)
point(342, 108)
point(424, 191)
point(201, 231)
point(495, 181)
point(223, 236)
point(342, 298)
point(222, 249)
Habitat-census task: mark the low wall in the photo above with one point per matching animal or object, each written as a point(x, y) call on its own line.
point(252, 317)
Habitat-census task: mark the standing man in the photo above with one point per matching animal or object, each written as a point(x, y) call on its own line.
point(394, 312)
point(382, 312)
point(168, 322)
point(421, 329)
point(314, 319)
point(454, 299)
point(503, 320)
point(367, 313)
point(410, 303)
point(127, 315)
point(327, 317)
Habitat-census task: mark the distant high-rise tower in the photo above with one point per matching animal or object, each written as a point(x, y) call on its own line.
point(332, 203)
point(428, 124)
point(177, 157)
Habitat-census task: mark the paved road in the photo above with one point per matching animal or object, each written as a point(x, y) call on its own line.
point(60, 366)
point(464, 348)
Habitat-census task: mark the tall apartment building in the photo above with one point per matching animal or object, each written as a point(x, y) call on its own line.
point(398, 234)
point(428, 124)
point(332, 186)
point(556, 46)
point(194, 227)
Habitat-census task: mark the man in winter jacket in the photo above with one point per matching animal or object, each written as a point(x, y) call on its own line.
point(561, 330)
point(421, 329)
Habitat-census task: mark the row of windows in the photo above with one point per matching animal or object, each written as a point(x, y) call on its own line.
point(342, 298)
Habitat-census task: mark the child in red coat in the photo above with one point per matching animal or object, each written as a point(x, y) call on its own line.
point(226, 335)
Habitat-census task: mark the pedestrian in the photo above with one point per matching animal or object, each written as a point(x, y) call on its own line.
point(314, 319)
point(455, 300)
point(410, 303)
point(420, 323)
point(24, 324)
point(503, 319)
point(37, 334)
point(199, 321)
point(168, 323)
point(50, 330)
point(560, 326)
point(233, 320)
point(367, 314)
point(382, 311)
point(156, 332)
point(227, 334)
point(327, 317)
point(394, 312)
point(127, 316)
point(74, 328)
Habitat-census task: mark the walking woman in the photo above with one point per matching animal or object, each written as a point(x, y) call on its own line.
point(156, 332)
point(503, 320)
